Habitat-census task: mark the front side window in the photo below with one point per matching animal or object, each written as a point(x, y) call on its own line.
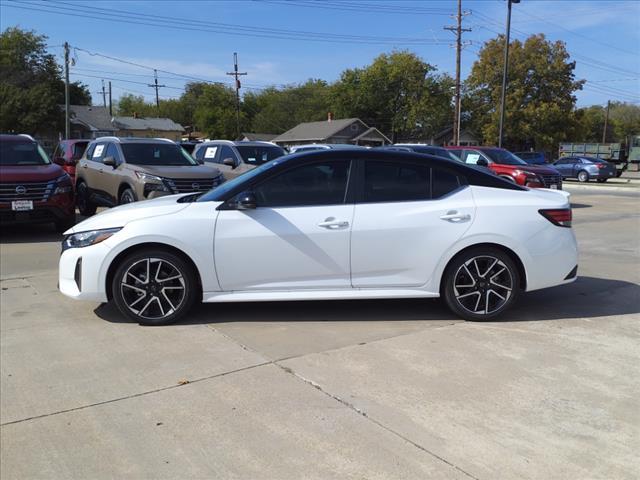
point(98, 152)
point(112, 151)
point(156, 154)
point(22, 153)
point(226, 152)
point(323, 183)
point(395, 182)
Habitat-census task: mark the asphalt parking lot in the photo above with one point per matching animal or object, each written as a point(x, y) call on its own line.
point(360, 389)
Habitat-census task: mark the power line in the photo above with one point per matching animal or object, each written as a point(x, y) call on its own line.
point(359, 7)
point(135, 18)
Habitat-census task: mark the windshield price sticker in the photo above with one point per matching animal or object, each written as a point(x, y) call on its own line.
point(210, 152)
point(473, 158)
point(98, 151)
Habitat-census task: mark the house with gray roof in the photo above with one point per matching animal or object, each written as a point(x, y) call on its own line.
point(87, 121)
point(147, 127)
point(341, 131)
point(257, 137)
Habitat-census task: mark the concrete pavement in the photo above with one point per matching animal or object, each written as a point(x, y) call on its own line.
point(362, 389)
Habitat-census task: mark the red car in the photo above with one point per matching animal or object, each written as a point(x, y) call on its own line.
point(508, 166)
point(67, 154)
point(32, 189)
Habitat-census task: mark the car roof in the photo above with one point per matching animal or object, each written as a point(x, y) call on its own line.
point(253, 143)
point(134, 140)
point(21, 137)
point(472, 147)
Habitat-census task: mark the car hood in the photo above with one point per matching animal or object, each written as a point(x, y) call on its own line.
point(539, 169)
point(195, 171)
point(30, 173)
point(120, 216)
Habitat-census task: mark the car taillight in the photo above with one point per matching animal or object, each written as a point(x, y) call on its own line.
point(560, 216)
point(601, 165)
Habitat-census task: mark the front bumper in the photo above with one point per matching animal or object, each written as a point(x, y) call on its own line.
point(80, 274)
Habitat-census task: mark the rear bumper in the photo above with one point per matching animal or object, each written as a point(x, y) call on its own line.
point(554, 258)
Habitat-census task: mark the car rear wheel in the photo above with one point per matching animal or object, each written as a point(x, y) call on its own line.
point(583, 176)
point(481, 283)
point(84, 204)
point(154, 287)
point(127, 196)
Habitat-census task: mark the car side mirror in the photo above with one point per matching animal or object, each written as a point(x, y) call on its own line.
point(110, 161)
point(482, 162)
point(229, 162)
point(59, 161)
point(246, 201)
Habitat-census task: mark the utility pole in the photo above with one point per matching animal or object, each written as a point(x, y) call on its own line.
point(67, 126)
point(505, 70)
point(237, 74)
point(157, 87)
point(110, 103)
point(459, 44)
point(606, 123)
point(104, 95)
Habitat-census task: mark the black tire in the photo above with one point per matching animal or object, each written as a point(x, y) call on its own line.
point(127, 196)
point(85, 206)
point(157, 310)
point(602, 180)
point(464, 298)
point(583, 176)
point(65, 224)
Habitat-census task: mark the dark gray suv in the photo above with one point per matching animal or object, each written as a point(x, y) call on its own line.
point(235, 158)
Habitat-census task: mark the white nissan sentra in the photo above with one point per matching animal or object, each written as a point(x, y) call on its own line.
point(331, 224)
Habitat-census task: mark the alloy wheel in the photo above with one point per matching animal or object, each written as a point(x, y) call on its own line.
point(483, 285)
point(153, 288)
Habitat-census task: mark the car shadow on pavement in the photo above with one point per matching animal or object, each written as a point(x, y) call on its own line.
point(580, 205)
point(306, 311)
point(586, 297)
point(40, 233)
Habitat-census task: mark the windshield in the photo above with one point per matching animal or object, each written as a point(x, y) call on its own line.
point(79, 148)
point(257, 155)
point(22, 153)
point(165, 154)
point(221, 191)
point(503, 157)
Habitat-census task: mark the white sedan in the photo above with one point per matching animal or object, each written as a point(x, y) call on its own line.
point(331, 224)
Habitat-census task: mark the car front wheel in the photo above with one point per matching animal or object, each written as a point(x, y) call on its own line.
point(127, 196)
point(85, 206)
point(481, 283)
point(154, 287)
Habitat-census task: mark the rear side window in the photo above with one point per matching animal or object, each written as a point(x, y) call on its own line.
point(443, 183)
point(395, 182)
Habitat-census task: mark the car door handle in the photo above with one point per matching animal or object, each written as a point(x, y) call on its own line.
point(333, 224)
point(454, 216)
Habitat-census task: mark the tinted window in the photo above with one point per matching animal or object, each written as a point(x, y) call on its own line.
point(565, 161)
point(443, 182)
point(257, 155)
point(22, 153)
point(322, 183)
point(112, 151)
point(155, 154)
point(395, 182)
point(456, 153)
point(78, 149)
point(226, 152)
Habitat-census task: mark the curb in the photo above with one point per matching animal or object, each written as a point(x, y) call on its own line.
point(602, 188)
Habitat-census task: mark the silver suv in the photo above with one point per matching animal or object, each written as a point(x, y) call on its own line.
point(235, 158)
point(114, 171)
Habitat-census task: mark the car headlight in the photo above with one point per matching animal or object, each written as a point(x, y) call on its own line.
point(63, 185)
point(85, 239)
point(147, 176)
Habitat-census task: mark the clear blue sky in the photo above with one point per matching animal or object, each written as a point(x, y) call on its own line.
point(197, 38)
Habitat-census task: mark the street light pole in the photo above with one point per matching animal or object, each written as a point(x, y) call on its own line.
point(505, 70)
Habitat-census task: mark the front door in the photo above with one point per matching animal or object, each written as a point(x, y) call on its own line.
point(296, 238)
point(409, 216)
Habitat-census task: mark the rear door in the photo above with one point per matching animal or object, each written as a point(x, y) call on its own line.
point(406, 217)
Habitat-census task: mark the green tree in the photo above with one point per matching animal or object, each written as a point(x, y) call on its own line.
point(276, 110)
point(31, 85)
point(540, 97)
point(130, 105)
point(625, 119)
point(399, 93)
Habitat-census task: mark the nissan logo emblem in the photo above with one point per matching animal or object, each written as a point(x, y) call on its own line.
point(20, 190)
point(195, 186)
